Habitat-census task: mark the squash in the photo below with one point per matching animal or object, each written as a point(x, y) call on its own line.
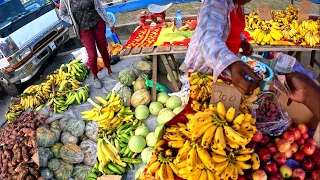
point(71, 153)
point(140, 97)
point(92, 130)
point(81, 172)
point(46, 173)
point(63, 123)
point(64, 172)
point(47, 137)
point(127, 76)
point(54, 164)
point(55, 149)
point(125, 95)
point(67, 137)
point(55, 124)
point(139, 84)
point(89, 148)
point(45, 155)
point(76, 127)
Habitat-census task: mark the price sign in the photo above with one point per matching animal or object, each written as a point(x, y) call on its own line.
point(304, 10)
point(264, 12)
point(229, 95)
point(110, 177)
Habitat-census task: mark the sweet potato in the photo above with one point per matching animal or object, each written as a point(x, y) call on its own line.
point(30, 177)
point(34, 171)
point(25, 154)
point(21, 167)
point(29, 132)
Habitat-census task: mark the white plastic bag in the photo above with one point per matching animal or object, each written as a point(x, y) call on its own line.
point(82, 54)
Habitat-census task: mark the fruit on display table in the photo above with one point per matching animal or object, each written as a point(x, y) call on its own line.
point(283, 26)
point(200, 86)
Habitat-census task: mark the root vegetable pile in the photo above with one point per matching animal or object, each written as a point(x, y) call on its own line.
point(18, 145)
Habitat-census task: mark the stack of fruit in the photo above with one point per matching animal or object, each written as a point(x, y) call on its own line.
point(110, 113)
point(212, 144)
point(284, 26)
point(294, 155)
point(68, 78)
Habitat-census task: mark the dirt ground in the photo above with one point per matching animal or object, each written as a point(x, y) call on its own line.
point(193, 8)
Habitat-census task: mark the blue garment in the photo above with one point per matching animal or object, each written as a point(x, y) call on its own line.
point(1, 1)
point(297, 67)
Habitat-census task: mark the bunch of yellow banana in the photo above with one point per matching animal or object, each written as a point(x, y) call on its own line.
point(111, 113)
point(267, 33)
point(292, 12)
point(253, 21)
point(160, 167)
point(247, 100)
point(205, 106)
point(77, 70)
point(310, 25)
point(38, 97)
point(232, 165)
point(312, 38)
point(12, 115)
point(221, 128)
point(200, 86)
point(106, 153)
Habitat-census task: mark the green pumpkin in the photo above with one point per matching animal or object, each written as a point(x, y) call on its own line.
point(54, 164)
point(46, 173)
point(140, 97)
point(125, 94)
point(67, 137)
point(92, 130)
point(76, 127)
point(55, 149)
point(81, 172)
point(64, 172)
point(47, 137)
point(127, 76)
point(89, 148)
point(71, 153)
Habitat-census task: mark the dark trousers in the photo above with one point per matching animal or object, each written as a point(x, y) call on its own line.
point(91, 37)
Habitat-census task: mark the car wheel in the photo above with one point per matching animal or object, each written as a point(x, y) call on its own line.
point(10, 88)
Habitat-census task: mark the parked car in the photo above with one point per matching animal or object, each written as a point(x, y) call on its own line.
point(30, 33)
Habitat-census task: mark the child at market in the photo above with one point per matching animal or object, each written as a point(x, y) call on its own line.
point(304, 90)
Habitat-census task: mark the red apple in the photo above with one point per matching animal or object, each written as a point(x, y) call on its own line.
point(264, 155)
point(283, 145)
point(288, 135)
point(315, 175)
point(316, 157)
point(303, 128)
point(308, 178)
point(270, 167)
point(272, 148)
point(285, 171)
point(242, 178)
point(259, 175)
point(307, 164)
point(312, 141)
point(309, 149)
point(299, 156)
point(257, 137)
point(305, 136)
point(294, 147)
point(251, 145)
point(288, 154)
point(296, 133)
point(276, 139)
point(301, 141)
point(298, 172)
point(265, 139)
point(275, 176)
point(279, 158)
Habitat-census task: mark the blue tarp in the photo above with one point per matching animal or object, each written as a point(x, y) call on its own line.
point(140, 4)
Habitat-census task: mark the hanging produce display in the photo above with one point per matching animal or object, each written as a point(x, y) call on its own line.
point(283, 26)
point(60, 90)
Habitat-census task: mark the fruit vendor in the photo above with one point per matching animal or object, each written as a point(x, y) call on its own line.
point(89, 23)
point(216, 41)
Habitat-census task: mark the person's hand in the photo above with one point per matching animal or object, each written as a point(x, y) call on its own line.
point(246, 48)
point(113, 29)
point(301, 86)
point(238, 71)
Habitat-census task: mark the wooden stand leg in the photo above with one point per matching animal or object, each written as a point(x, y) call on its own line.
point(166, 65)
point(176, 67)
point(154, 77)
point(298, 56)
point(313, 58)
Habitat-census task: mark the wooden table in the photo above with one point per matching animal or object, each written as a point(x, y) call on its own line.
point(256, 48)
